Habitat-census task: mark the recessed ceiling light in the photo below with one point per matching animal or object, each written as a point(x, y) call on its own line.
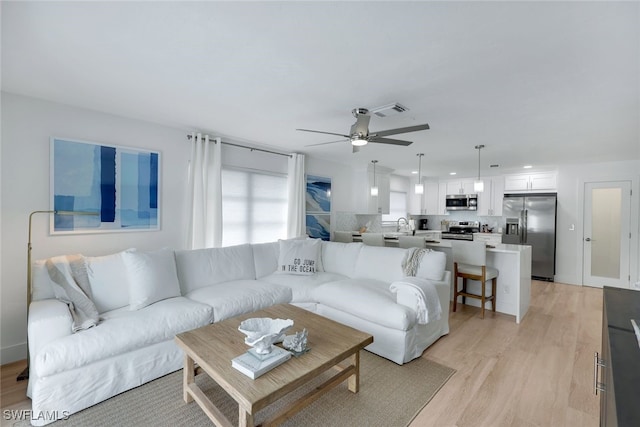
point(527, 166)
point(452, 173)
point(414, 172)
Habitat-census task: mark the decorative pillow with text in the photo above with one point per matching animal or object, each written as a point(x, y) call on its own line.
point(299, 256)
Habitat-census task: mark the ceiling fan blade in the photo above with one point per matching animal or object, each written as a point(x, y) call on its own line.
point(390, 141)
point(400, 130)
point(319, 131)
point(325, 143)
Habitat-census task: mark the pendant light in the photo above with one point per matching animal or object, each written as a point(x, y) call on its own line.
point(478, 186)
point(419, 188)
point(374, 189)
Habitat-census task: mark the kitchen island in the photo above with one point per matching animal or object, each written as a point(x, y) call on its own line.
point(513, 263)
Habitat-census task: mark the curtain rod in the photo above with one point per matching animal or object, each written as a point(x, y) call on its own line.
point(251, 148)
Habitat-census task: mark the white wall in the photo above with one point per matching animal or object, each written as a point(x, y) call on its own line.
point(27, 125)
point(569, 243)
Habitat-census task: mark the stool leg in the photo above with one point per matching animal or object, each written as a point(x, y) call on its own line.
point(464, 289)
point(455, 293)
point(494, 286)
point(482, 299)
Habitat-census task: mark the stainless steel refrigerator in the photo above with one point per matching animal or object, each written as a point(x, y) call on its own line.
point(531, 220)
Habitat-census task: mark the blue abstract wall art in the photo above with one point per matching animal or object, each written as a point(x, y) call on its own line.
point(120, 184)
point(318, 207)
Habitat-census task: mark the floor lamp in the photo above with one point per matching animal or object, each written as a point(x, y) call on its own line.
point(24, 375)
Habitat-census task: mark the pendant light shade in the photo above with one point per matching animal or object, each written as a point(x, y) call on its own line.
point(419, 188)
point(478, 185)
point(374, 189)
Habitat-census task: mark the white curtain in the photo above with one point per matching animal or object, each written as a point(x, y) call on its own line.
point(205, 193)
point(296, 187)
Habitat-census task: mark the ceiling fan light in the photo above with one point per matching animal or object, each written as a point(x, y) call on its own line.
point(478, 186)
point(419, 188)
point(358, 142)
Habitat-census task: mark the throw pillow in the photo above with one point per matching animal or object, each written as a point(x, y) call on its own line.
point(152, 277)
point(432, 265)
point(109, 281)
point(298, 256)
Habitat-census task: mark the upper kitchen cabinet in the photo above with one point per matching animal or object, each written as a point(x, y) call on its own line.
point(543, 181)
point(426, 203)
point(365, 202)
point(490, 200)
point(459, 187)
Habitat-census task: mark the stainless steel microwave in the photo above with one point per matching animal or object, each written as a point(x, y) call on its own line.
point(462, 202)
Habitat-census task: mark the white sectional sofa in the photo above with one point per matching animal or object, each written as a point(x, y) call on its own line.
point(145, 299)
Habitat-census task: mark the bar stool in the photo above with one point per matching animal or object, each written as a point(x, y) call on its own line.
point(411, 241)
point(470, 262)
point(343, 236)
point(373, 239)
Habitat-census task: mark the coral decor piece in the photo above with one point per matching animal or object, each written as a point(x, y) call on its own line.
point(263, 332)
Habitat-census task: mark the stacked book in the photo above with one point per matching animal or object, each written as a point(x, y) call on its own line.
point(253, 364)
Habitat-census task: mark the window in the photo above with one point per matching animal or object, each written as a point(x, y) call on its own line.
point(254, 207)
point(397, 206)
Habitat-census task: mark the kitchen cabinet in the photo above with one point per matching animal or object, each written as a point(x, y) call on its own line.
point(490, 200)
point(379, 204)
point(618, 387)
point(442, 198)
point(426, 203)
point(364, 202)
point(543, 181)
point(460, 187)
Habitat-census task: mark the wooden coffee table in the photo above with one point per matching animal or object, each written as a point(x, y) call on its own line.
point(213, 346)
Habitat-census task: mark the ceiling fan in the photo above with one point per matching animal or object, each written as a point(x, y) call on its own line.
point(359, 134)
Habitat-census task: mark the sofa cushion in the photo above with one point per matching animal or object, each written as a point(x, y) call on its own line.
point(240, 296)
point(265, 258)
point(380, 263)
point(152, 277)
point(122, 331)
point(340, 258)
point(301, 286)
point(204, 267)
point(368, 299)
point(109, 281)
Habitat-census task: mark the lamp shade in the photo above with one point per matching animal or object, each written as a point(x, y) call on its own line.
point(374, 191)
point(419, 189)
point(478, 186)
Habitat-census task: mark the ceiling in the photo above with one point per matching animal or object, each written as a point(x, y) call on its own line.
point(539, 83)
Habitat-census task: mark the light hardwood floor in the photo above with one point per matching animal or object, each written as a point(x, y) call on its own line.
point(538, 373)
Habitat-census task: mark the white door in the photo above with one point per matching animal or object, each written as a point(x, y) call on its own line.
point(607, 215)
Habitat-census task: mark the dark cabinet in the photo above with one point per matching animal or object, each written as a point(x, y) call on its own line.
point(619, 363)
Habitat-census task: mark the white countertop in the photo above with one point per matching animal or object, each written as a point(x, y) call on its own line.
point(501, 247)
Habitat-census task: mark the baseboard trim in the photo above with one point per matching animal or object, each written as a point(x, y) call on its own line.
point(13, 353)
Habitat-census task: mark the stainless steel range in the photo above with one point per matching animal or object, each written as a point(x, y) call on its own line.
point(461, 230)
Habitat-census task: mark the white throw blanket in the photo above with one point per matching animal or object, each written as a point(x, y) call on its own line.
point(71, 286)
point(427, 304)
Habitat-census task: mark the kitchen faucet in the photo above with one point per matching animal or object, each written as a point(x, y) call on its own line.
point(398, 223)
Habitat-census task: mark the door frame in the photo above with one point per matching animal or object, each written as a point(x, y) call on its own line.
point(634, 226)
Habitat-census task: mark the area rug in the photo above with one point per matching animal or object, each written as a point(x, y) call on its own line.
point(390, 395)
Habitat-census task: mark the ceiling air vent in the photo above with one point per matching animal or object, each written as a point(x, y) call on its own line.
point(389, 110)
